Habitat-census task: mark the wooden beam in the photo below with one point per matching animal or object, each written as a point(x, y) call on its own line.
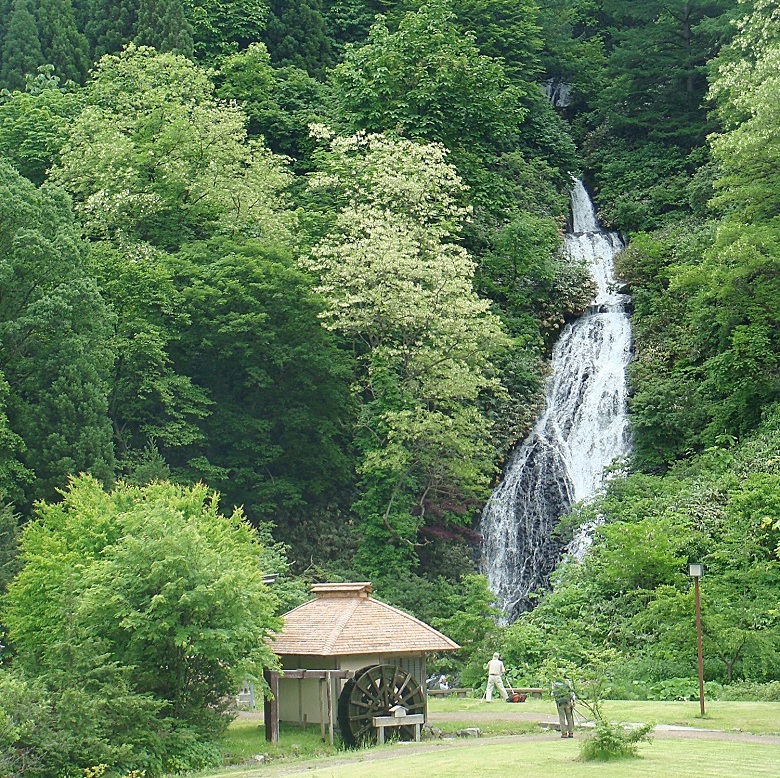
point(331, 697)
point(322, 709)
point(271, 707)
point(302, 674)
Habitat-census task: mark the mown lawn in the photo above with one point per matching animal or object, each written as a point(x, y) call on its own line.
point(542, 759)
point(246, 738)
point(755, 717)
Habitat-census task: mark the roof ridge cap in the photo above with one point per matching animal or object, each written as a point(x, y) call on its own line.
point(340, 623)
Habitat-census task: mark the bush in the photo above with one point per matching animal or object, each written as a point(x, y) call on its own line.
point(137, 614)
point(747, 691)
point(614, 741)
point(683, 689)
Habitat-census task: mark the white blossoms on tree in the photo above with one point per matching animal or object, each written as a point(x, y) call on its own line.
point(395, 280)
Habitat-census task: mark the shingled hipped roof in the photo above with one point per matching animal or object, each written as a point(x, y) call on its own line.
point(343, 619)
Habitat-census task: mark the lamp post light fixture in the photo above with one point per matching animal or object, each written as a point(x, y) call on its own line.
point(695, 570)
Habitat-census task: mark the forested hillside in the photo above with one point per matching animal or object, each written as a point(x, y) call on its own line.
point(306, 256)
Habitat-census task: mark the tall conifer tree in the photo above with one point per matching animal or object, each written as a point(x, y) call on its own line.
point(62, 43)
point(297, 35)
point(109, 25)
point(21, 46)
point(163, 25)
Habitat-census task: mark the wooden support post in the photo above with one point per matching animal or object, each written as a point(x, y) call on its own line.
point(331, 704)
point(321, 687)
point(699, 657)
point(271, 707)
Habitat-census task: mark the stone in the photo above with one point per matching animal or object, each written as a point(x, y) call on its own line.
point(469, 732)
point(434, 733)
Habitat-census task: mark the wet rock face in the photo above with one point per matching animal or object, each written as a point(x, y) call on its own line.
point(581, 431)
point(558, 92)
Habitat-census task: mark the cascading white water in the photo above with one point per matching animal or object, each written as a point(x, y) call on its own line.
point(582, 430)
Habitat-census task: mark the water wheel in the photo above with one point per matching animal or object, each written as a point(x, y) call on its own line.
point(372, 692)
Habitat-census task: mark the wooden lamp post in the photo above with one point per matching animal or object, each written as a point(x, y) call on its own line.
point(695, 570)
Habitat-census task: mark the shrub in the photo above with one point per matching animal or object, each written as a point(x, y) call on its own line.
point(747, 691)
point(683, 689)
point(614, 741)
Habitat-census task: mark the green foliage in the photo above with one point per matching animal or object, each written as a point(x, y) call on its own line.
point(473, 617)
point(62, 43)
point(630, 598)
point(109, 24)
point(297, 35)
point(162, 24)
point(427, 80)
point(280, 103)
point(278, 383)
point(54, 351)
point(349, 21)
point(14, 476)
point(614, 741)
point(395, 283)
point(506, 30)
point(33, 124)
point(645, 126)
point(716, 285)
point(640, 185)
point(221, 29)
point(150, 400)
point(657, 50)
point(155, 158)
point(148, 592)
point(766, 692)
point(21, 52)
point(207, 29)
point(10, 564)
point(573, 47)
point(675, 689)
point(535, 284)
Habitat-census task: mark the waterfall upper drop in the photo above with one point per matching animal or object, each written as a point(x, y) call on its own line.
point(582, 430)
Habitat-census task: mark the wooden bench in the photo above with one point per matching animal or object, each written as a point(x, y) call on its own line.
point(448, 692)
point(380, 722)
point(534, 692)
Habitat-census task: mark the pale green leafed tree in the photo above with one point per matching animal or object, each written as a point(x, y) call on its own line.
point(395, 280)
point(155, 157)
point(746, 91)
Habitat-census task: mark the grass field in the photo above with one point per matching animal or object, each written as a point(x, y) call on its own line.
point(755, 717)
point(303, 753)
point(244, 739)
point(543, 759)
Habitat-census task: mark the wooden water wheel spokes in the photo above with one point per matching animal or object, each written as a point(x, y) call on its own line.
point(373, 692)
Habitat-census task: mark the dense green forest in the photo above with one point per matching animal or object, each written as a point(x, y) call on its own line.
point(278, 286)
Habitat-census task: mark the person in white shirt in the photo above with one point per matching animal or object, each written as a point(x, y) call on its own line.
point(495, 668)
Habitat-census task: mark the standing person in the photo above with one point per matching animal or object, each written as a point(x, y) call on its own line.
point(495, 668)
point(562, 692)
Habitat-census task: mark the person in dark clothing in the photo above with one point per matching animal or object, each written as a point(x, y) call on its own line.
point(562, 692)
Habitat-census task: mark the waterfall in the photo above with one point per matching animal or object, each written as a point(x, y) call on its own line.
point(582, 430)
